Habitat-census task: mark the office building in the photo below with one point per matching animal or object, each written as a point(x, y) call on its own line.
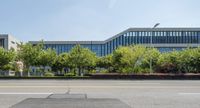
point(165, 39)
point(8, 42)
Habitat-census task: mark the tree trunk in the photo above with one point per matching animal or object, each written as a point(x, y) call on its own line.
point(79, 71)
point(43, 70)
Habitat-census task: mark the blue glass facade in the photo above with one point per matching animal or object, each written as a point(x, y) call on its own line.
point(165, 39)
point(60, 48)
point(158, 37)
point(2, 43)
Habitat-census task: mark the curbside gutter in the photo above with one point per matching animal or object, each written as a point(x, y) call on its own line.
point(114, 77)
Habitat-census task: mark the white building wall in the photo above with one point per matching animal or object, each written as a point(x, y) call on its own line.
point(9, 41)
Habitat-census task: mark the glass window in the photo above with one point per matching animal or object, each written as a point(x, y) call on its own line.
point(134, 33)
point(184, 37)
point(127, 34)
point(155, 38)
point(171, 34)
point(123, 40)
point(137, 37)
point(146, 33)
point(129, 40)
point(198, 36)
point(117, 41)
point(194, 38)
point(165, 34)
point(174, 33)
point(110, 47)
point(178, 33)
point(126, 40)
point(105, 49)
point(102, 50)
point(2, 43)
point(114, 43)
point(120, 40)
point(144, 39)
point(132, 39)
point(149, 33)
point(63, 48)
point(161, 33)
point(140, 33)
point(131, 33)
point(155, 33)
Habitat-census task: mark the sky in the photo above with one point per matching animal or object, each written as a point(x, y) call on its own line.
point(75, 20)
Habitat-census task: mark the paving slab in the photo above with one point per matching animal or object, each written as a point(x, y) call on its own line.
point(68, 96)
point(70, 103)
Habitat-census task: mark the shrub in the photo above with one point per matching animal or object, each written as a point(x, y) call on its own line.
point(70, 74)
point(104, 71)
point(169, 62)
point(48, 74)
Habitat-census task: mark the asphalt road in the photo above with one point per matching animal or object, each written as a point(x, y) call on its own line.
point(137, 94)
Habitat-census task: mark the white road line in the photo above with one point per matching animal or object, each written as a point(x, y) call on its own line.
point(189, 93)
point(16, 93)
point(109, 87)
point(62, 84)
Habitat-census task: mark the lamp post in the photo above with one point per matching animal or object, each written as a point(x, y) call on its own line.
point(151, 42)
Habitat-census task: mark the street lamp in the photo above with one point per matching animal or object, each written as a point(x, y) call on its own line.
point(156, 25)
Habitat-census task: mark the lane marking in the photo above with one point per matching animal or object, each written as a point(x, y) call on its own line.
point(189, 93)
point(15, 93)
point(175, 87)
point(62, 84)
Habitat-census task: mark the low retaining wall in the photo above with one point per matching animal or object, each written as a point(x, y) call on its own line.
point(148, 77)
point(119, 77)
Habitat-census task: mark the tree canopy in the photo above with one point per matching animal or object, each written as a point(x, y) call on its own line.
point(82, 58)
point(6, 58)
point(124, 60)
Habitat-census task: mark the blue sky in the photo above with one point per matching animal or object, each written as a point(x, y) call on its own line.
point(91, 19)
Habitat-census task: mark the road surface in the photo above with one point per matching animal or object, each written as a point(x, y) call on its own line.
point(135, 93)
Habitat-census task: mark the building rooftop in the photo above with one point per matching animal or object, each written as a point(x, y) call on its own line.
point(119, 34)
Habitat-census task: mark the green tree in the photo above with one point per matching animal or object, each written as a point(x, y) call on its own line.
point(122, 59)
point(29, 54)
point(106, 62)
point(6, 59)
point(196, 61)
point(169, 62)
point(138, 57)
point(61, 62)
point(187, 60)
point(128, 59)
point(151, 54)
point(46, 58)
point(82, 58)
point(190, 60)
